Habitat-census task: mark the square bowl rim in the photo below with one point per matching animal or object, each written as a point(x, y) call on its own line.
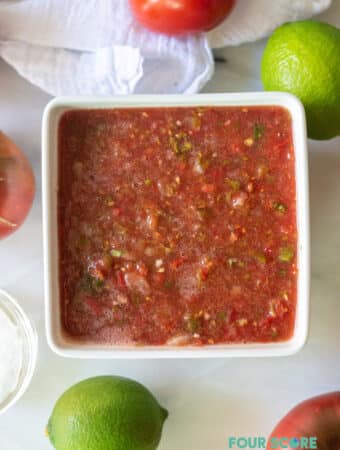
point(282, 348)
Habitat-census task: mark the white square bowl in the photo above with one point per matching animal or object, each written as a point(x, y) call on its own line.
point(62, 344)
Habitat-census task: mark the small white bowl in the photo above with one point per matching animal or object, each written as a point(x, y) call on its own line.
point(66, 347)
point(29, 347)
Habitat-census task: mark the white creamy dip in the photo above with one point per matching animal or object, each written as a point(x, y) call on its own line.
point(11, 356)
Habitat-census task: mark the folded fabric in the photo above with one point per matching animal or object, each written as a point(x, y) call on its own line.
point(95, 47)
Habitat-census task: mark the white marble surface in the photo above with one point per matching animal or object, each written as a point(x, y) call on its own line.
point(208, 400)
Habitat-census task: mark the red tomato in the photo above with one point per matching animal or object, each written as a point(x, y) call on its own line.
point(181, 16)
point(317, 417)
point(17, 186)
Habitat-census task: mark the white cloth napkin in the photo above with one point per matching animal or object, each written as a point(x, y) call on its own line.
point(95, 47)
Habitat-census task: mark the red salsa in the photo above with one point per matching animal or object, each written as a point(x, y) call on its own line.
point(177, 226)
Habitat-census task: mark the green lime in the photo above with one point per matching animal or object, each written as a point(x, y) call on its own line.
point(303, 58)
point(106, 413)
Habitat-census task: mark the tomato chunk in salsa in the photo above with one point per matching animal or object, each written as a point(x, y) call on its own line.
point(177, 226)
